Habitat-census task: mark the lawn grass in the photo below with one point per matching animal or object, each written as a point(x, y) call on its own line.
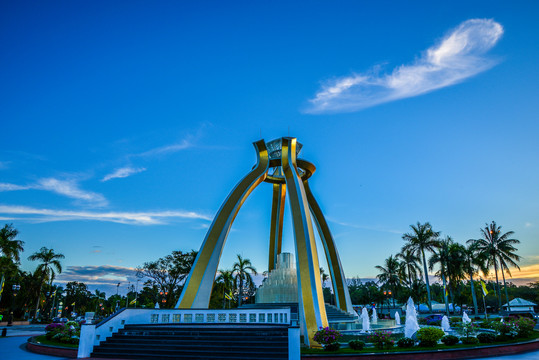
point(44, 341)
point(535, 335)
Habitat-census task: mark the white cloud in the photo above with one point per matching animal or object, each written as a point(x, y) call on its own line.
point(132, 218)
point(70, 189)
point(123, 172)
point(13, 187)
point(167, 149)
point(458, 56)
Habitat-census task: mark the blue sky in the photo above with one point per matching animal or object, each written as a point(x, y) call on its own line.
point(126, 124)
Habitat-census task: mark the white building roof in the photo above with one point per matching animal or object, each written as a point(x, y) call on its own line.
point(520, 302)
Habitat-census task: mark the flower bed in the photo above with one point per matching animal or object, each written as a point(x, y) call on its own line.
point(68, 333)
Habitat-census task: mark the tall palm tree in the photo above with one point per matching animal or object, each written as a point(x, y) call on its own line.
point(242, 270)
point(455, 268)
point(227, 279)
point(442, 257)
point(9, 251)
point(411, 263)
point(389, 275)
point(49, 261)
point(474, 261)
point(497, 247)
point(421, 239)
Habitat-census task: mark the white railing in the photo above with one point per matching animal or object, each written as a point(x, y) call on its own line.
point(92, 335)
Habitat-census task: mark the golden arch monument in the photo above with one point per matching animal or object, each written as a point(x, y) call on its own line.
point(277, 163)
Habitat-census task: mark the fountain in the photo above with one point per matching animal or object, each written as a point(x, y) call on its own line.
point(365, 318)
point(411, 325)
point(397, 318)
point(374, 318)
point(445, 324)
point(466, 318)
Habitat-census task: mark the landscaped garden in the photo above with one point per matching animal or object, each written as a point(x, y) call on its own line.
point(463, 335)
point(57, 334)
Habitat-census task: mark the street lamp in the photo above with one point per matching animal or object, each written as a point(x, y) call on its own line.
point(16, 288)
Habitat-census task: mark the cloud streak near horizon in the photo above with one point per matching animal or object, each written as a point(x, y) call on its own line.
point(458, 56)
point(131, 218)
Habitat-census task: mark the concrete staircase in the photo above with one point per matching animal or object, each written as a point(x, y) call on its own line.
point(196, 341)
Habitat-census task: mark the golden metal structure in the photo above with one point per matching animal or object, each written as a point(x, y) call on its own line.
point(289, 175)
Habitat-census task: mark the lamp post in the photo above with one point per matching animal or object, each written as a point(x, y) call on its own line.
point(136, 293)
point(16, 288)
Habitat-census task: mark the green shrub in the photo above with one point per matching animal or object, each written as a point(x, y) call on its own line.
point(356, 344)
point(332, 347)
point(502, 338)
point(450, 340)
point(486, 338)
point(454, 320)
point(421, 321)
point(326, 336)
point(381, 339)
point(405, 342)
point(469, 340)
point(488, 324)
point(429, 336)
point(524, 326)
point(509, 330)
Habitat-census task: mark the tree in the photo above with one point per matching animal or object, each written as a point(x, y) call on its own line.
point(9, 246)
point(421, 239)
point(226, 278)
point(410, 262)
point(499, 250)
point(49, 261)
point(168, 273)
point(389, 275)
point(473, 262)
point(242, 275)
point(9, 252)
point(448, 256)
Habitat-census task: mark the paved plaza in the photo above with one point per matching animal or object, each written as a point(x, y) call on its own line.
point(13, 346)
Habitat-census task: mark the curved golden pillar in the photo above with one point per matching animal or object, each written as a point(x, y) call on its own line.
point(276, 229)
point(198, 286)
point(309, 282)
point(290, 175)
point(340, 287)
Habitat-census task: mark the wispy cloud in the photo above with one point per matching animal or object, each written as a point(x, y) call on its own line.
point(358, 226)
point(458, 56)
point(123, 172)
point(68, 188)
point(132, 218)
point(3, 165)
point(71, 189)
point(13, 187)
point(167, 149)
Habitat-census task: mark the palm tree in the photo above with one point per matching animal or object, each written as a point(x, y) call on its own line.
point(499, 249)
point(9, 251)
point(442, 257)
point(421, 239)
point(9, 247)
point(389, 275)
point(410, 262)
point(242, 276)
point(49, 261)
point(227, 279)
point(473, 262)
